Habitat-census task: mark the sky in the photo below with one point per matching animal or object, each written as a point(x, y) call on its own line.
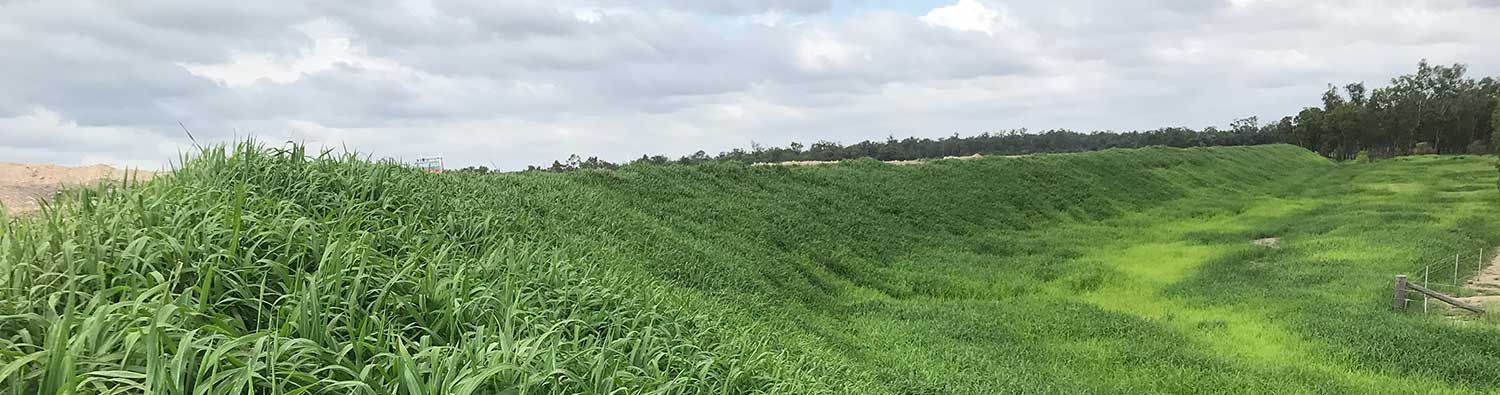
point(507, 84)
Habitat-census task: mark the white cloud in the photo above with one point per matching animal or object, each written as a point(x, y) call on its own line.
point(588, 15)
point(330, 46)
point(966, 15)
point(820, 52)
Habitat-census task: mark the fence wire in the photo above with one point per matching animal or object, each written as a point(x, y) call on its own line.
point(1460, 272)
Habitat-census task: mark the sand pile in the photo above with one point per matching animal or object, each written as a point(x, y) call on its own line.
point(894, 162)
point(22, 184)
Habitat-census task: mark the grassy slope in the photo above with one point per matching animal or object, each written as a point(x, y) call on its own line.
point(1124, 271)
point(1042, 280)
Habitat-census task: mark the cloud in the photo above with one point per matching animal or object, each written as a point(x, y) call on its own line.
point(966, 15)
point(524, 82)
point(733, 7)
point(327, 50)
point(41, 135)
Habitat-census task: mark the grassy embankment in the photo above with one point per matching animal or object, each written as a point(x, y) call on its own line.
point(1126, 271)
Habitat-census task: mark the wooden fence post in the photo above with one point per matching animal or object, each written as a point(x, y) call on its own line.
point(1445, 298)
point(1400, 298)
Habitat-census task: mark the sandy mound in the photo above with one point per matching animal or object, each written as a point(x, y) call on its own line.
point(894, 162)
point(22, 184)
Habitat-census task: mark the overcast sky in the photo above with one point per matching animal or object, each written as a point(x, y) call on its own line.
point(514, 83)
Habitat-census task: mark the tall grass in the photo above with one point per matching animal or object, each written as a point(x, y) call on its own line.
point(255, 270)
point(274, 270)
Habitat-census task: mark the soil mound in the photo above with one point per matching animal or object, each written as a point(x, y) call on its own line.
point(23, 184)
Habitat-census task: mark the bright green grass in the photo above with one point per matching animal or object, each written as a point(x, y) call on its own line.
point(1124, 271)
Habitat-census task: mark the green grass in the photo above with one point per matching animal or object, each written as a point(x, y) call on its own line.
point(1123, 271)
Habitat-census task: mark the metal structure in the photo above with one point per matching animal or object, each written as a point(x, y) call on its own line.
point(432, 164)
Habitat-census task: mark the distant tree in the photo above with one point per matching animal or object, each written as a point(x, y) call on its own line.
point(696, 157)
point(1436, 108)
point(593, 162)
point(1245, 125)
point(1309, 131)
point(1495, 126)
point(824, 150)
point(1331, 98)
point(473, 169)
point(1356, 93)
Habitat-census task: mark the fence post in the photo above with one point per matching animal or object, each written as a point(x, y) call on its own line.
point(1400, 298)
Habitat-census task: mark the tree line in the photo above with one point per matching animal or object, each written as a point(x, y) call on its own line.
point(1437, 109)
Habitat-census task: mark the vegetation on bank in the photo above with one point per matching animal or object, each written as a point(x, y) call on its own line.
point(265, 271)
point(1122, 271)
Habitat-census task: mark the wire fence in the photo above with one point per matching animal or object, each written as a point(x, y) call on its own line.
point(1452, 277)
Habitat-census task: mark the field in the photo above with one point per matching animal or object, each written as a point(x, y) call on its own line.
point(269, 270)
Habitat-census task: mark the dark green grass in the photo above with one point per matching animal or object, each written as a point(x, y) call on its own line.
point(1124, 271)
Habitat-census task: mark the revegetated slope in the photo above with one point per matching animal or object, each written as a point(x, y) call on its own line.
point(1042, 274)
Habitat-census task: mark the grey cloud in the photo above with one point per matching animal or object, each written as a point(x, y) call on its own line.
point(526, 82)
point(903, 49)
point(179, 30)
point(733, 7)
point(90, 83)
point(445, 23)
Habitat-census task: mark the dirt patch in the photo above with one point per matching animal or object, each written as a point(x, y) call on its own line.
point(23, 184)
point(1269, 242)
point(1489, 302)
point(1488, 280)
point(894, 162)
point(1486, 286)
point(921, 161)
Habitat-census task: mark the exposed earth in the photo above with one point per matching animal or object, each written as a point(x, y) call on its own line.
point(1485, 286)
point(894, 162)
point(23, 184)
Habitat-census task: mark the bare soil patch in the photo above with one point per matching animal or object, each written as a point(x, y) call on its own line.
point(22, 185)
point(1488, 280)
point(894, 162)
point(1486, 286)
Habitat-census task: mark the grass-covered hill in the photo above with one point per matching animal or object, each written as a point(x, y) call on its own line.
point(266, 270)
